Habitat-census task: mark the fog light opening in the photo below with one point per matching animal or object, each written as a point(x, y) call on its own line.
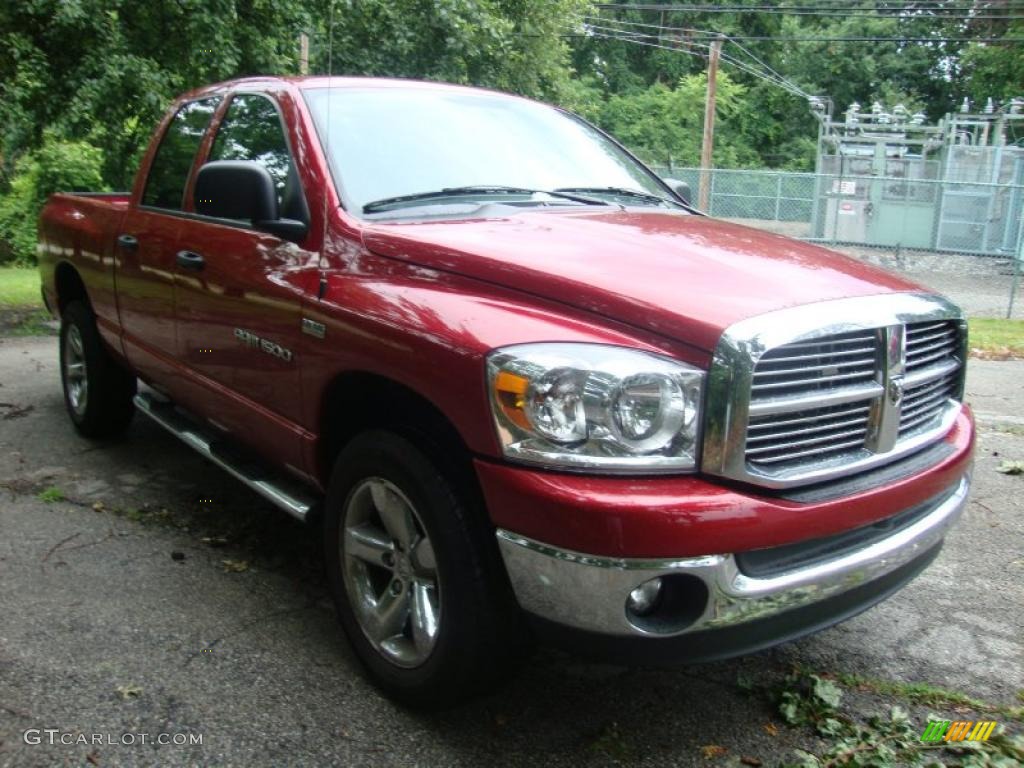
point(643, 600)
point(667, 604)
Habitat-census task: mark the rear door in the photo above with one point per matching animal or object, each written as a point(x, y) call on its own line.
point(240, 291)
point(144, 245)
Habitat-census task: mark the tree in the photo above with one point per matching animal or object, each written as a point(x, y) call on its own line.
point(57, 165)
point(513, 45)
point(994, 69)
point(668, 122)
point(100, 73)
point(103, 71)
point(653, 45)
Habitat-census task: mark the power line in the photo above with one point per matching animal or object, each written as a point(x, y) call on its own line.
point(903, 13)
point(967, 11)
point(760, 61)
point(778, 80)
point(936, 39)
point(916, 15)
point(689, 32)
point(771, 76)
point(769, 38)
point(926, 4)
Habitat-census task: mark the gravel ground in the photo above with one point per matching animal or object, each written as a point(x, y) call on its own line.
point(104, 629)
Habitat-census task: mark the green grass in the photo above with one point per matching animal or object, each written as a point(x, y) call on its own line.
point(922, 693)
point(21, 305)
point(26, 322)
point(51, 494)
point(994, 336)
point(19, 287)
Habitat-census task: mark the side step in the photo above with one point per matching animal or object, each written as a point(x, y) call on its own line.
point(286, 493)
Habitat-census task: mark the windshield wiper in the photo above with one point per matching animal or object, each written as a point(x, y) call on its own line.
point(621, 192)
point(386, 203)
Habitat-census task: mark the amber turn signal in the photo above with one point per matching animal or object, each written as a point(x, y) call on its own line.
point(510, 392)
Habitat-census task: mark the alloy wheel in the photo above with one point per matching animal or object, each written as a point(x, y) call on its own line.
point(75, 370)
point(390, 572)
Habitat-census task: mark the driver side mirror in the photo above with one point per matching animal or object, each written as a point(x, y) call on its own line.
point(682, 190)
point(243, 190)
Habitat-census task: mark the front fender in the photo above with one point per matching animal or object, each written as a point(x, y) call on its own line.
point(430, 331)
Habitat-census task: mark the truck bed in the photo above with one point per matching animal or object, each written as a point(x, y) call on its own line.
point(80, 228)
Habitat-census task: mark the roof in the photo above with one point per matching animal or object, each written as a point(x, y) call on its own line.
point(338, 81)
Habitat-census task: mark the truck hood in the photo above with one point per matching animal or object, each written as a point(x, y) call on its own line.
point(682, 276)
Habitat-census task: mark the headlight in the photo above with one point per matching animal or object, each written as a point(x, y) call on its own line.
point(595, 406)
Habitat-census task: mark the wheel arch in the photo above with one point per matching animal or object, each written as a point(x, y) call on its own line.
point(356, 401)
point(69, 286)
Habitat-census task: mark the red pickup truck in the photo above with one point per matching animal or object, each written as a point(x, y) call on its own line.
point(521, 385)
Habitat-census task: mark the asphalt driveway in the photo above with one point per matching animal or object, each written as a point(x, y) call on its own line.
point(144, 592)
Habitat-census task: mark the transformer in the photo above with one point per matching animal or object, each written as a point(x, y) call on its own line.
point(888, 178)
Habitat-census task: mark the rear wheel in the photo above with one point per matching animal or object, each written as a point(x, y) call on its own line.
point(98, 391)
point(415, 575)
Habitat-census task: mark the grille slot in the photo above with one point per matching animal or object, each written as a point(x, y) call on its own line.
point(798, 374)
point(930, 343)
point(922, 405)
point(794, 436)
point(808, 366)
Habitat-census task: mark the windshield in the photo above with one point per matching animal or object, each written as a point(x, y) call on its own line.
point(391, 142)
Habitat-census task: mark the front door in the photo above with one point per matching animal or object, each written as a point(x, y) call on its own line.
point(239, 294)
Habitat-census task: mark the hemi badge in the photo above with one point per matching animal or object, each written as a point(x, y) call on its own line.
point(313, 328)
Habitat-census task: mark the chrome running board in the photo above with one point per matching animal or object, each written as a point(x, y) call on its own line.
point(283, 492)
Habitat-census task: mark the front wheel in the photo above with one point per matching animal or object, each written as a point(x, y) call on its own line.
point(415, 575)
point(97, 391)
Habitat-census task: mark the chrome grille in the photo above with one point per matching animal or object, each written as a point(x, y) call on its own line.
point(790, 402)
point(814, 400)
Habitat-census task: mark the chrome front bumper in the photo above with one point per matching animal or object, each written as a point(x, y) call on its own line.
point(589, 593)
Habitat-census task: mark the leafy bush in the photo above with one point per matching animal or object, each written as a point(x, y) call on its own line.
point(57, 166)
point(665, 122)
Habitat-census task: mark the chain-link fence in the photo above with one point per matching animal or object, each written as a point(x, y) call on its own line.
point(967, 217)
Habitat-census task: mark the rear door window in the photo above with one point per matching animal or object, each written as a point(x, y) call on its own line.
point(168, 175)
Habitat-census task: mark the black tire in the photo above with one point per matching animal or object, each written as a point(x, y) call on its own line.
point(479, 635)
point(104, 407)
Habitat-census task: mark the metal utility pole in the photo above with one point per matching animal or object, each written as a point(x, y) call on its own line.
point(303, 54)
point(709, 126)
